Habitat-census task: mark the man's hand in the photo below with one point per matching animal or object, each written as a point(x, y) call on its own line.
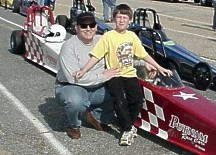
point(79, 74)
point(110, 73)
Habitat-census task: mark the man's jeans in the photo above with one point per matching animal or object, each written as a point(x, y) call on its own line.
point(106, 5)
point(78, 100)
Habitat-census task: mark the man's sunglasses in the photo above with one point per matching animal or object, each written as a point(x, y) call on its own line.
point(84, 26)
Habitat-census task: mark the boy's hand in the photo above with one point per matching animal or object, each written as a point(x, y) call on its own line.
point(152, 71)
point(165, 72)
point(110, 73)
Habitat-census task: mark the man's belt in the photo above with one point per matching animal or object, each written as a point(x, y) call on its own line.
point(63, 83)
point(87, 87)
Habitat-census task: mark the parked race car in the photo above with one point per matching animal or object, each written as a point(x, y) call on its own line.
point(175, 112)
point(78, 7)
point(190, 66)
point(40, 40)
point(21, 6)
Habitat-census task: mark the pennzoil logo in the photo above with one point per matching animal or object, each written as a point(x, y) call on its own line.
point(198, 138)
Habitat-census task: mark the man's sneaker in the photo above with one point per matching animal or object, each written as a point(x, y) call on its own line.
point(126, 138)
point(134, 130)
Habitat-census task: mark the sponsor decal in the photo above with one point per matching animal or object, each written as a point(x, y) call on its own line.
point(196, 137)
point(52, 60)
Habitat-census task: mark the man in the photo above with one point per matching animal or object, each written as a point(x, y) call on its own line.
point(87, 97)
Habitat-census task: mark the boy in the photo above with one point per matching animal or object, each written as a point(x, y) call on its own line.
point(119, 47)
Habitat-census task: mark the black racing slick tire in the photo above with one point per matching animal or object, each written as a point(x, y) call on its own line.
point(202, 76)
point(205, 3)
point(17, 43)
point(16, 6)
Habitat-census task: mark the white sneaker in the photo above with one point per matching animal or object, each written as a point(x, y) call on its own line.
point(134, 130)
point(126, 138)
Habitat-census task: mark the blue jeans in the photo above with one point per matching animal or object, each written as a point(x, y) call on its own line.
point(214, 16)
point(40, 2)
point(78, 100)
point(106, 5)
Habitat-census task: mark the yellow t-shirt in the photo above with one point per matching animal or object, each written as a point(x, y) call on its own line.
point(119, 51)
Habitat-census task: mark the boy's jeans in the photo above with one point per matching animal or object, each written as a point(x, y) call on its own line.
point(78, 100)
point(106, 5)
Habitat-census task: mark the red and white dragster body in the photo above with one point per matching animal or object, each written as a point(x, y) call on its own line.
point(34, 41)
point(172, 111)
point(179, 115)
point(42, 52)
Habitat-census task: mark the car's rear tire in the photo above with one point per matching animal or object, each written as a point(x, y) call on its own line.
point(17, 43)
point(205, 3)
point(202, 76)
point(16, 6)
point(196, 1)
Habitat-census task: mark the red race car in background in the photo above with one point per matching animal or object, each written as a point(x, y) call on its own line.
point(172, 111)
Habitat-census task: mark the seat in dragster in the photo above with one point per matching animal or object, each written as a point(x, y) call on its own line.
point(171, 111)
point(191, 67)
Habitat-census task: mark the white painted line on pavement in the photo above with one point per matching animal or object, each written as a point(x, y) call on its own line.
point(62, 150)
point(11, 22)
point(198, 35)
point(203, 23)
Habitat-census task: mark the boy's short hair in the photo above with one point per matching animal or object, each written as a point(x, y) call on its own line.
point(123, 9)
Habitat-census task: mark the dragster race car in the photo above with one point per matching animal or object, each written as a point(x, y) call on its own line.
point(40, 40)
point(190, 67)
point(78, 7)
point(21, 6)
point(172, 111)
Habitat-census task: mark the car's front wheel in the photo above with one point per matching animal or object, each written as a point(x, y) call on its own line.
point(205, 3)
point(202, 76)
point(17, 43)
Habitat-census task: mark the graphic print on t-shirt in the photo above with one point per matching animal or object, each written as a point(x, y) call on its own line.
point(125, 54)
